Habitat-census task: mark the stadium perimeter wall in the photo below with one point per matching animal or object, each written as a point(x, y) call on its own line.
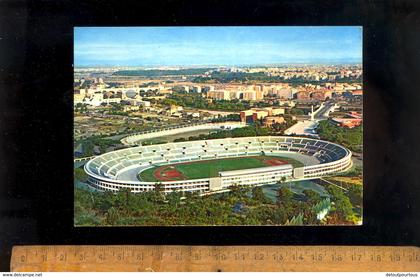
point(105, 171)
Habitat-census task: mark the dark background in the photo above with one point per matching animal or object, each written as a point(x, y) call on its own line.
point(36, 120)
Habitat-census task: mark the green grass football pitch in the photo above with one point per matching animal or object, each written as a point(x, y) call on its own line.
point(210, 168)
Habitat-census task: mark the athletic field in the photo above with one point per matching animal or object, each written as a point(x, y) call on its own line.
point(210, 168)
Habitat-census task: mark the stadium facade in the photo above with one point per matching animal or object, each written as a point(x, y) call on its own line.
point(119, 169)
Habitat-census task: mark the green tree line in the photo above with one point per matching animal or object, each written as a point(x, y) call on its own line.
point(350, 138)
point(240, 206)
point(198, 102)
point(244, 77)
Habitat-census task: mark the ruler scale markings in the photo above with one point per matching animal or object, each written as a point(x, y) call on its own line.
point(218, 258)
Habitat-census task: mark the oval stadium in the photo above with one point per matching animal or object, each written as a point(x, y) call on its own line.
point(208, 166)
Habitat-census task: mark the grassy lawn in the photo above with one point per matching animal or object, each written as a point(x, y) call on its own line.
point(147, 175)
point(210, 168)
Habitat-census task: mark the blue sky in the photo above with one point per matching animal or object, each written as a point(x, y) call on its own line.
point(183, 46)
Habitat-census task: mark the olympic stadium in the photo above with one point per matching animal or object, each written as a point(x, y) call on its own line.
point(207, 166)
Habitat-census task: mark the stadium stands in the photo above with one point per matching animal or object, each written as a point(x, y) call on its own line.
point(118, 169)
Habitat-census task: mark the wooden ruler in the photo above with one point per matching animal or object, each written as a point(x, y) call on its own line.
point(215, 258)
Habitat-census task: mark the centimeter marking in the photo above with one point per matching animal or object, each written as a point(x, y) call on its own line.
point(214, 258)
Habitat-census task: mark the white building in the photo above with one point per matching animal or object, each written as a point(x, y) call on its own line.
point(196, 89)
point(111, 100)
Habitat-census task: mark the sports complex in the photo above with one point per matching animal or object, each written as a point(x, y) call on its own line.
point(207, 166)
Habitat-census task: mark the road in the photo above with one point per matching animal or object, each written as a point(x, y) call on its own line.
point(307, 127)
point(322, 114)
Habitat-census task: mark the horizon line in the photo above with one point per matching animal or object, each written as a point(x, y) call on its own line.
point(223, 65)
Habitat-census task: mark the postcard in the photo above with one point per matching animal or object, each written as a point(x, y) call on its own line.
point(218, 126)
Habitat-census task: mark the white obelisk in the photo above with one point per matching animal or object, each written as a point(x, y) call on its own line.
point(312, 112)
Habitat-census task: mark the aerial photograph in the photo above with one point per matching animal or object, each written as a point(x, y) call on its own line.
point(218, 126)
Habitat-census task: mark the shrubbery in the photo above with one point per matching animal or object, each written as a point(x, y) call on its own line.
point(154, 208)
point(350, 138)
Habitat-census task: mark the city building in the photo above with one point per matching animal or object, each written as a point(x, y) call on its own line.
point(195, 89)
point(270, 120)
point(249, 95)
point(138, 102)
point(95, 99)
point(347, 122)
point(288, 103)
point(210, 88)
point(111, 100)
point(321, 95)
point(303, 95)
point(78, 97)
point(219, 94)
point(255, 114)
point(131, 108)
point(285, 93)
point(357, 92)
point(350, 120)
point(173, 109)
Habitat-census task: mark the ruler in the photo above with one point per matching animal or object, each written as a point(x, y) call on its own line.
point(214, 258)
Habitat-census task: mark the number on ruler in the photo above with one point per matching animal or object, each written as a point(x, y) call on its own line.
point(196, 257)
point(375, 258)
point(316, 257)
point(336, 258)
point(259, 256)
point(356, 257)
point(278, 257)
point(395, 258)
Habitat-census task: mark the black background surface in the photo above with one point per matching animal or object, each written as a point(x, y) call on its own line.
point(36, 118)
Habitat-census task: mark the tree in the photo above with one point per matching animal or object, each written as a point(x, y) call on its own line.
point(356, 194)
point(311, 196)
point(235, 190)
point(259, 196)
point(127, 195)
point(296, 111)
point(112, 215)
point(351, 138)
point(279, 216)
point(174, 199)
point(158, 194)
point(284, 196)
point(344, 208)
point(80, 175)
point(104, 201)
